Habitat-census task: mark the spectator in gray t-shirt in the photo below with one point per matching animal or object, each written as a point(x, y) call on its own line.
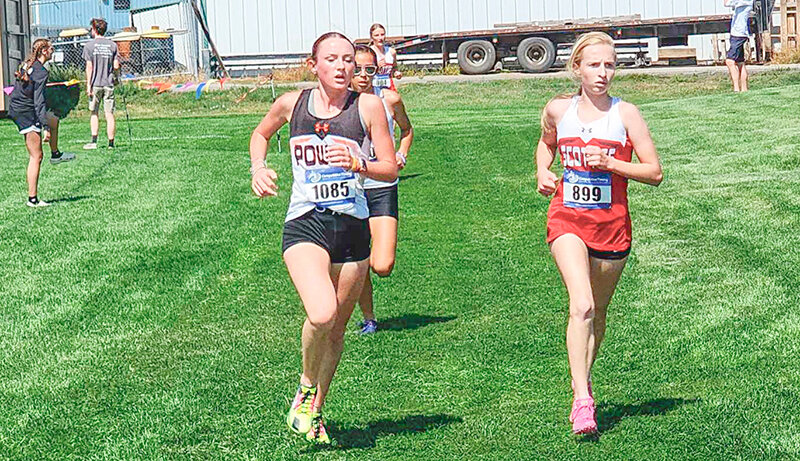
point(102, 61)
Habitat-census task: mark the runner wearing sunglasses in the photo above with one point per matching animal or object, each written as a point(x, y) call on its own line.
point(381, 196)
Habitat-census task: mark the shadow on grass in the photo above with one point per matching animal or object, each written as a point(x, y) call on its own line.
point(72, 198)
point(347, 437)
point(610, 414)
point(409, 176)
point(411, 322)
point(100, 171)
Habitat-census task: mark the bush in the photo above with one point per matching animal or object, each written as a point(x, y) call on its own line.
point(791, 56)
point(59, 73)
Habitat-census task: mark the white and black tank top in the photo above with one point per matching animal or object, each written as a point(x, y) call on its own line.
point(317, 184)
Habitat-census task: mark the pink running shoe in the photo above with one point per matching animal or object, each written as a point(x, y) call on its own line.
point(583, 417)
point(573, 404)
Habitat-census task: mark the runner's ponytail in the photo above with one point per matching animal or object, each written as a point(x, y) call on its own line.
point(25, 69)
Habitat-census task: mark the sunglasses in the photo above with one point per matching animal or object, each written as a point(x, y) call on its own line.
point(369, 70)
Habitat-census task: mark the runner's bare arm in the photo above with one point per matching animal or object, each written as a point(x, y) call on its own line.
point(648, 170)
point(545, 150)
point(89, 71)
point(372, 111)
point(263, 182)
point(397, 74)
point(401, 117)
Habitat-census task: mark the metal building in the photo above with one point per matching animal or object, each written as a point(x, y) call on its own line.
point(253, 27)
point(49, 17)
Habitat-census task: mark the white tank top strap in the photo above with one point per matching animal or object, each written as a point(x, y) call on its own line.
point(570, 117)
point(609, 127)
point(387, 56)
point(370, 183)
point(389, 117)
point(614, 110)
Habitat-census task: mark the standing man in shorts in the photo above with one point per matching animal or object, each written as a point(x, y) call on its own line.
point(740, 35)
point(102, 61)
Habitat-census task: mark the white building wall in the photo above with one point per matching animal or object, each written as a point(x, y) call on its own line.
point(241, 27)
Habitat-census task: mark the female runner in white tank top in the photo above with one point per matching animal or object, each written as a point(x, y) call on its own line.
point(326, 235)
point(387, 60)
point(381, 196)
point(588, 226)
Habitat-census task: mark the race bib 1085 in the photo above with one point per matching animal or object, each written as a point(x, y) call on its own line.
point(587, 189)
point(330, 187)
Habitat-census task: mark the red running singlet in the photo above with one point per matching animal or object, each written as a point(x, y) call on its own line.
point(589, 202)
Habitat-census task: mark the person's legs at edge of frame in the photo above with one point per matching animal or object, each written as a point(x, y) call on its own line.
point(382, 258)
point(572, 259)
point(107, 95)
point(33, 142)
point(743, 76)
point(56, 156)
point(309, 268)
point(109, 105)
point(383, 223)
point(590, 285)
point(94, 118)
point(735, 63)
point(328, 294)
point(605, 274)
point(348, 278)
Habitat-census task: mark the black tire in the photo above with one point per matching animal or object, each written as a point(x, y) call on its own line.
point(536, 54)
point(476, 57)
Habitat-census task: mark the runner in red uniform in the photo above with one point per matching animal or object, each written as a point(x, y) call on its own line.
point(387, 60)
point(588, 225)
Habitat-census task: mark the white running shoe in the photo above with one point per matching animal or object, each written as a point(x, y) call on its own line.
point(90, 146)
point(62, 157)
point(36, 203)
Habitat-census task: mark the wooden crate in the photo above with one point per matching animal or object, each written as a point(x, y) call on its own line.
point(677, 55)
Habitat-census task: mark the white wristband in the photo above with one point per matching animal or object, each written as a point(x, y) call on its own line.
point(400, 156)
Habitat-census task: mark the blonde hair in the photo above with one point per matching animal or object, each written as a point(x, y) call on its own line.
point(574, 63)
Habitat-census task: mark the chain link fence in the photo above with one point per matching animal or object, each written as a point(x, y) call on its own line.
point(155, 38)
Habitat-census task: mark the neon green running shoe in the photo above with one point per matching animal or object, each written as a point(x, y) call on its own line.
point(318, 434)
point(300, 413)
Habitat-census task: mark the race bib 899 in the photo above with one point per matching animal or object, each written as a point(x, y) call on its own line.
point(587, 189)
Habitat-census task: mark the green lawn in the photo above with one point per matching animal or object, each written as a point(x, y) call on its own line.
point(147, 314)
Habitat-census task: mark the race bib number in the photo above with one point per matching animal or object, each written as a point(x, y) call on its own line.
point(330, 187)
point(382, 81)
point(587, 189)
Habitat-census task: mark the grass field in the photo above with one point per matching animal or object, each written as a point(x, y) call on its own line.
point(147, 314)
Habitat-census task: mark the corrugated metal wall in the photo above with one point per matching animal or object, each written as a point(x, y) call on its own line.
point(50, 15)
point(291, 26)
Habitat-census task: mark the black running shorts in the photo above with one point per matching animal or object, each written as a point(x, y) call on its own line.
point(382, 202)
point(609, 254)
point(345, 238)
point(26, 121)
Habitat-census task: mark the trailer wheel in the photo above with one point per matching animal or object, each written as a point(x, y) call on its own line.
point(536, 54)
point(476, 57)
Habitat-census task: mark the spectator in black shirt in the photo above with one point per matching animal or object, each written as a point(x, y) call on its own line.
point(28, 110)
